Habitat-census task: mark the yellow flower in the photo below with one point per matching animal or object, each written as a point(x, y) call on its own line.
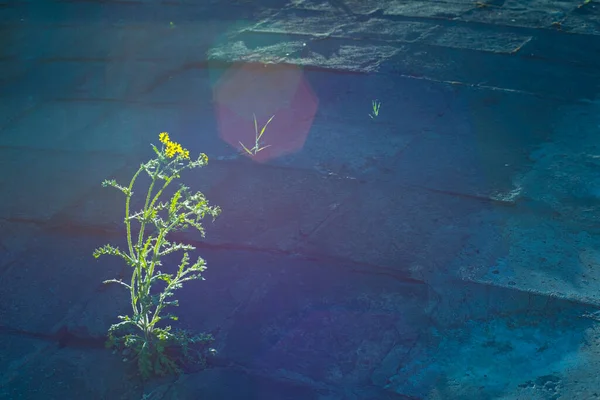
point(169, 150)
point(163, 137)
point(172, 148)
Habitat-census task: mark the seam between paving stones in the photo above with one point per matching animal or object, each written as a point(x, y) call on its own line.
point(72, 228)
point(213, 63)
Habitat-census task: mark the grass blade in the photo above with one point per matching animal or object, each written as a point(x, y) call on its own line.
point(245, 148)
point(265, 127)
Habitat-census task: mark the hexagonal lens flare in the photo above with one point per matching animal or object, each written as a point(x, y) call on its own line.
point(264, 111)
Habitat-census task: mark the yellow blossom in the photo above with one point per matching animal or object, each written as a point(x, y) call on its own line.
point(163, 137)
point(170, 152)
point(172, 148)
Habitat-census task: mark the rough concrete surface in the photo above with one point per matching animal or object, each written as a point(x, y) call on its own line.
point(446, 248)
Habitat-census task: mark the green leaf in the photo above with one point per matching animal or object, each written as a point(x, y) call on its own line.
point(117, 281)
point(163, 277)
point(174, 201)
point(113, 251)
point(107, 182)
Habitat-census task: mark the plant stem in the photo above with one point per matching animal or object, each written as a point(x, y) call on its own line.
point(127, 219)
point(129, 243)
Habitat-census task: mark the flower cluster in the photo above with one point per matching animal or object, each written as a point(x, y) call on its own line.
point(172, 148)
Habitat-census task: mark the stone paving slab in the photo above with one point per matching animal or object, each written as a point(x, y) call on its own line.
point(549, 246)
point(351, 57)
point(141, 41)
point(534, 254)
point(15, 109)
point(301, 22)
point(265, 311)
point(355, 150)
point(12, 71)
point(579, 378)
point(330, 24)
point(424, 59)
point(354, 7)
point(187, 86)
point(435, 10)
point(467, 11)
point(479, 39)
point(53, 278)
point(121, 81)
point(536, 14)
point(57, 126)
point(48, 13)
point(40, 82)
point(534, 356)
point(243, 179)
point(514, 15)
point(559, 46)
point(254, 299)
point(418, 119)
point(43, 182)
point(99, 126)
point(409, 107)
point(94, 40)
point(224, 383)
point(71, 373)
point(585, 21)
point(380, 29)
point(342, 138)
point(48, 286)
point(290, 315)
point(472, 149)
point(259, 309)
point(14, 237)
point(347, 7)
point(187, 40)
point(494, 72)
point(17, 353)
point(289, 210)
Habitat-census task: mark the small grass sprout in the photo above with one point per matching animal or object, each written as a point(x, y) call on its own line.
point(376, 104)
point(257, 136)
